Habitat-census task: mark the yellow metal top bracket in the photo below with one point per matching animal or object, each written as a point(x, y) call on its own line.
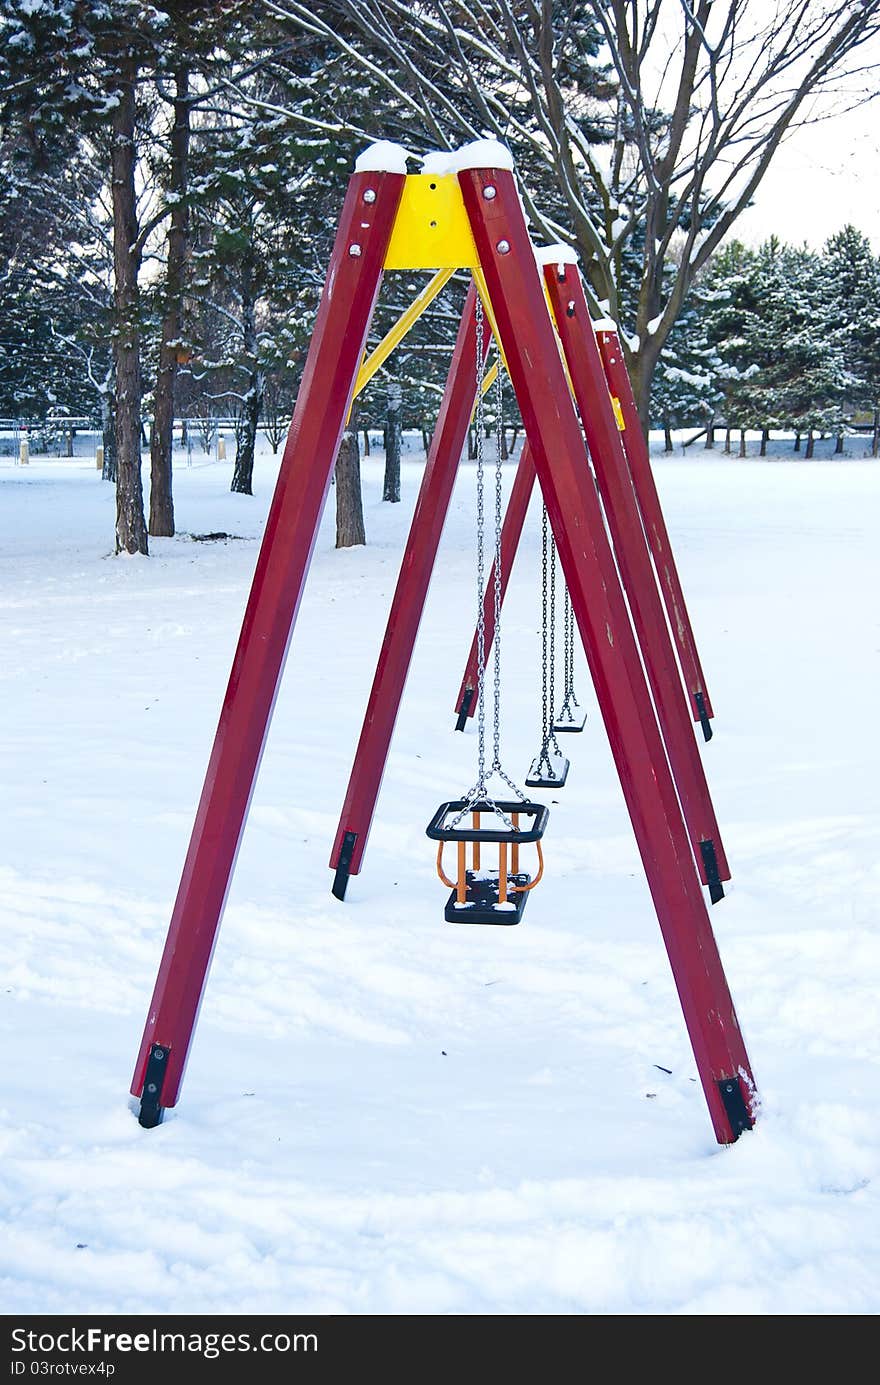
point(431, 230)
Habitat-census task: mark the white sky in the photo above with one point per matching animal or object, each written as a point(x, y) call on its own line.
point(822, 177)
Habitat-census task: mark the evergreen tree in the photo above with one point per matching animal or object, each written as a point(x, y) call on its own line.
point(852, 292)
point(74, 67)
point(686, 386)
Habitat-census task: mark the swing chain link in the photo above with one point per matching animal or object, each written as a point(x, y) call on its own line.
point(479, 789)
point(569, 700)
point(548, 648)
point(480, 792)
point(499, 511)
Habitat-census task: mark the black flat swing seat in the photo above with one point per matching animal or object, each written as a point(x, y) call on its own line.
point(548, 771)
point(569, 719)
point(495, 895)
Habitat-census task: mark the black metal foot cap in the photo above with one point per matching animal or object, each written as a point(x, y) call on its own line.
point(464, 709)
point(343, 867)
point(152, 1110)
point(706, 724)
point(735, 1105)
point(713, 875)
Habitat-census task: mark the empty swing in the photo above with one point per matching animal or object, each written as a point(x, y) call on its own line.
point(483, 893)
point(549, 769)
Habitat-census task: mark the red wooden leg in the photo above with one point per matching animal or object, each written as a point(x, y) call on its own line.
point(511, 530)
point(655, 528)
point(409, 600)
point(324, 399)
point(566, 294)
point(535, 367)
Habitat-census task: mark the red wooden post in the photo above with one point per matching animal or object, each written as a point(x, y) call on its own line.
point(325, 394)
point(655, 527)
point(527, 336)
point(566, 293)
point(409, 600)
point(511, 530)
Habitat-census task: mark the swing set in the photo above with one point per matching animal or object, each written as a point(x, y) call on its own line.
point(585, 448)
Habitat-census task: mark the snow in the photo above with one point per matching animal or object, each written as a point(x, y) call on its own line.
point(385, 1113)
point(479, 153)
point(383, 156)
point(556, 254)
point(604, 324)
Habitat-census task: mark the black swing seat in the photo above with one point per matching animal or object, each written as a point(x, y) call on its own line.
point(476, 894)
point(568, 720)
point(481, 904)
point(547, 772)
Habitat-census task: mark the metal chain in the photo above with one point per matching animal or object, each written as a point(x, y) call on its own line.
point(480, 792)
point(499, 511)
point(566, 653)
point(549, 743)
point(552, 697)
point(570, 696)
point(544, 592)
point(480, 787)
point(569, 702)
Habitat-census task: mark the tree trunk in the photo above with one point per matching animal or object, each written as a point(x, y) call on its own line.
point(161, 498)
point(810, 442)
point(366, 442)
point(875, 441)
point(108, 434)
point(765, 438)
point(710, 435)
point(797, 442)
point(727, 441)
point(246, 438)
point(742, 442)
point(349, 501)
point(391, 484)
point(131, 529)
point(667, 436)
point(243, 471)
point(838, 446)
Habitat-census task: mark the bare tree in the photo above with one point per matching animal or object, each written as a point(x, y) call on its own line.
point(643, 128)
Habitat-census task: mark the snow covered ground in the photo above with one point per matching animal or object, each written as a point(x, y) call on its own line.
point(384, 1113)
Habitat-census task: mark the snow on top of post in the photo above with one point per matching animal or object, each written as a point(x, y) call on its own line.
point(556, 254)
point(382, 157)
point(480, 153)
point(604, 324)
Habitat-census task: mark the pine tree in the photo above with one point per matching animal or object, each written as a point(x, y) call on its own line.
point(686, 386)
point(852, 290)
point(74, 68)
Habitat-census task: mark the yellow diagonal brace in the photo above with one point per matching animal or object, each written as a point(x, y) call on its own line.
point(378, 357)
